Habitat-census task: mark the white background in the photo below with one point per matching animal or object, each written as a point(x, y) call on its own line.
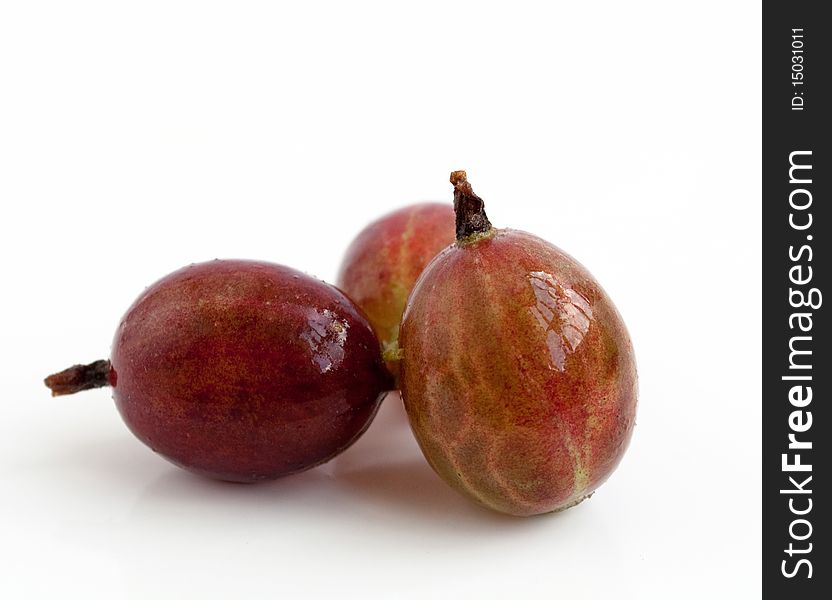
point(137, 138)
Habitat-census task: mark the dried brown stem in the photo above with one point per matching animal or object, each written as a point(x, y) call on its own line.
point(80, 377)
point(469, 208)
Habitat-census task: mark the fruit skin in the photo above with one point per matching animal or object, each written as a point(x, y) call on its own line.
point(244, 370)
point(383, 262)
point(518, 374)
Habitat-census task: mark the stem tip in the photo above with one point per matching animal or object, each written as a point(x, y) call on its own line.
point(80, 377)
point(469, 208)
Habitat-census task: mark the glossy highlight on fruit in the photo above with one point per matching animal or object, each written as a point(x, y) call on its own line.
point(385, 259)
point(518, 374)
point(241, 370)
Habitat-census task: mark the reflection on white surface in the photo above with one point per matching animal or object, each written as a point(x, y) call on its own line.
point(111, 517)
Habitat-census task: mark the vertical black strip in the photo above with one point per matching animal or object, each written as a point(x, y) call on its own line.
point(797, 168)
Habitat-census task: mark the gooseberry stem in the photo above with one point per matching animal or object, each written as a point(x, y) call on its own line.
point(469, 208)
point(78, 378)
